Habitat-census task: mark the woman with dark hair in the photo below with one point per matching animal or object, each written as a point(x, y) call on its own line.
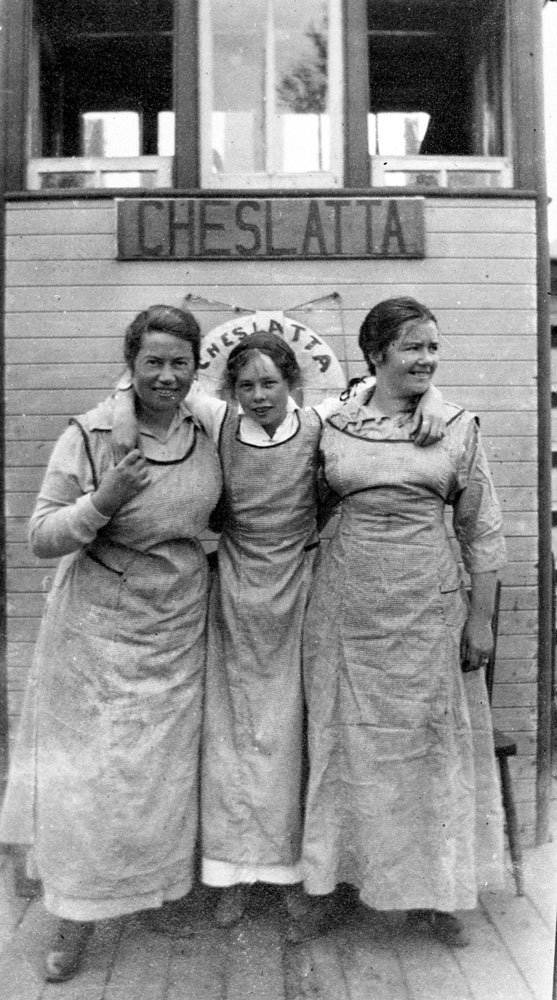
point(252, 734)
point(403, 801)
point(112, 720)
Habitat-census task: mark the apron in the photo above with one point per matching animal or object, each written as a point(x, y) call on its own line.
point(105, 780)
point(403, 799)
point(252, 739)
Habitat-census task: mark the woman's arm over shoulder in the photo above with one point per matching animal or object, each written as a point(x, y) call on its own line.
point(430, 418)
point(356, 387)
point(65, 517)
point(209, 410)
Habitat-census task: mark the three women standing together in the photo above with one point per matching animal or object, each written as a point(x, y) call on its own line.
point(402, 785)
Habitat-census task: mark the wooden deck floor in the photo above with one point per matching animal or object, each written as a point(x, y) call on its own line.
point(370, 956)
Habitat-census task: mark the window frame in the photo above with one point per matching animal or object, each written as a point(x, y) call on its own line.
point(269, 180)
point(354, 172)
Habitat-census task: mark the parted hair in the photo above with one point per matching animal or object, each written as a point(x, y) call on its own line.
point(382, 325)
point(261, 342)
point(162, 319)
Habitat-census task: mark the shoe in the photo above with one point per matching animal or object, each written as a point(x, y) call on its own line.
point(171, 918)
point(231, 905)
point(318, 918)
point(448, 929)
point(297, 901)
point(65, 950)
point(444, 926)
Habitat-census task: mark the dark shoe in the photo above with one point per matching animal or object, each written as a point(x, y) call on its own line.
point(297, 901)
point(172, 918)
point(318, 918)
point(444, 926)
point(448, 929)
point(231, 905)
point(65, 950)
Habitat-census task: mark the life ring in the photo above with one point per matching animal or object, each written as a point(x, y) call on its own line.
point(322, 373)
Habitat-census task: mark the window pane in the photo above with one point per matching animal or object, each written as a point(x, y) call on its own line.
point(445, 59)
point(111, 133)
point(93, 61)
point(396, 133)
point(165, 133)
point(270, 85)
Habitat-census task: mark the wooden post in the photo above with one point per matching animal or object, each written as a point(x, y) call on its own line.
point(4, 735)
point(15, 22)
point(525, 31)
point(186, 95)
point(357, 165)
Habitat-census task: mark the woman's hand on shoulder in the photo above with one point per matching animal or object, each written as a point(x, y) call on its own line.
point(429, 421)
point(121, 483)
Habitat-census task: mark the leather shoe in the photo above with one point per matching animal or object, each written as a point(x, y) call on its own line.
point(444, 926)
point(65, 950)
point(317, 919)
point(231, 905)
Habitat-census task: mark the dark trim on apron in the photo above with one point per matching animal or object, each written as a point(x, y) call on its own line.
point(87, 450)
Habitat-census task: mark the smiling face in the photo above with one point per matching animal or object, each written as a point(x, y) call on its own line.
point(410, 361)
point(262, 392)
point(163, 372)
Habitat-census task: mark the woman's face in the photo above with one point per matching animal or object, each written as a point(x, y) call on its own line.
point(262, 392)
point(411, 360)
point(163, 372)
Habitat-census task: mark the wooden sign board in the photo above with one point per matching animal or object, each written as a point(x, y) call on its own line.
point(269, 228)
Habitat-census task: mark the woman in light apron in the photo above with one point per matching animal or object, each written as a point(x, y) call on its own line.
point(104, 783)
point(403, 801)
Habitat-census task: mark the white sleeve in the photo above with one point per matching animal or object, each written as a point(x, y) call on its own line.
point(207, 409)
point(65, 518)
point(333, 403)
point(327, 406)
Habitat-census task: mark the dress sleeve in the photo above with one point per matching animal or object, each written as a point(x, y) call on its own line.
point(477, 516)
point(208, 410)
point(356, 387)
point(65, 518)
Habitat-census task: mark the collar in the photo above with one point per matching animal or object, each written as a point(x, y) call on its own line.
point(253, 433)
point(101, 418)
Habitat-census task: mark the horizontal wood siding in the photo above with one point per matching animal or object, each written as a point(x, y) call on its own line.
point(68, 301)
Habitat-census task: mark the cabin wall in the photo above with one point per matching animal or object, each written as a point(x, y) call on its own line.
point(68, 301)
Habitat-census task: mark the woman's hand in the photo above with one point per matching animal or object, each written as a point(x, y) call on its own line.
point(477, 642)
point(429, 420)
point(120, 483)
point(477, 637)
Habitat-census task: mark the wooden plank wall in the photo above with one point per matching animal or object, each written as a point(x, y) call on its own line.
point(69, 300)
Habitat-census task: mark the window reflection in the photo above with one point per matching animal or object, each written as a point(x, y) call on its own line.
point(396, 133)
point(266, 78)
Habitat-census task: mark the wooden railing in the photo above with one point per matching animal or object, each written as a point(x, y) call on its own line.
point(441, 171)
point(99, 172)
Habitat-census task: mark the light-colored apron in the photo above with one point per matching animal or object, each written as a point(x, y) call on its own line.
point(252, 740)
point(403, 799)
point(105, 779)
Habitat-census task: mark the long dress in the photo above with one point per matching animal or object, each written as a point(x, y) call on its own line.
point(252, 738)
point(403, 800)
point(105, 778)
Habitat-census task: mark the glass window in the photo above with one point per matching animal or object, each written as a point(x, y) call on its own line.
point(396, 133)
point(111, 133)
point(436, 80)
point(271, 91)
point(100, 86)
